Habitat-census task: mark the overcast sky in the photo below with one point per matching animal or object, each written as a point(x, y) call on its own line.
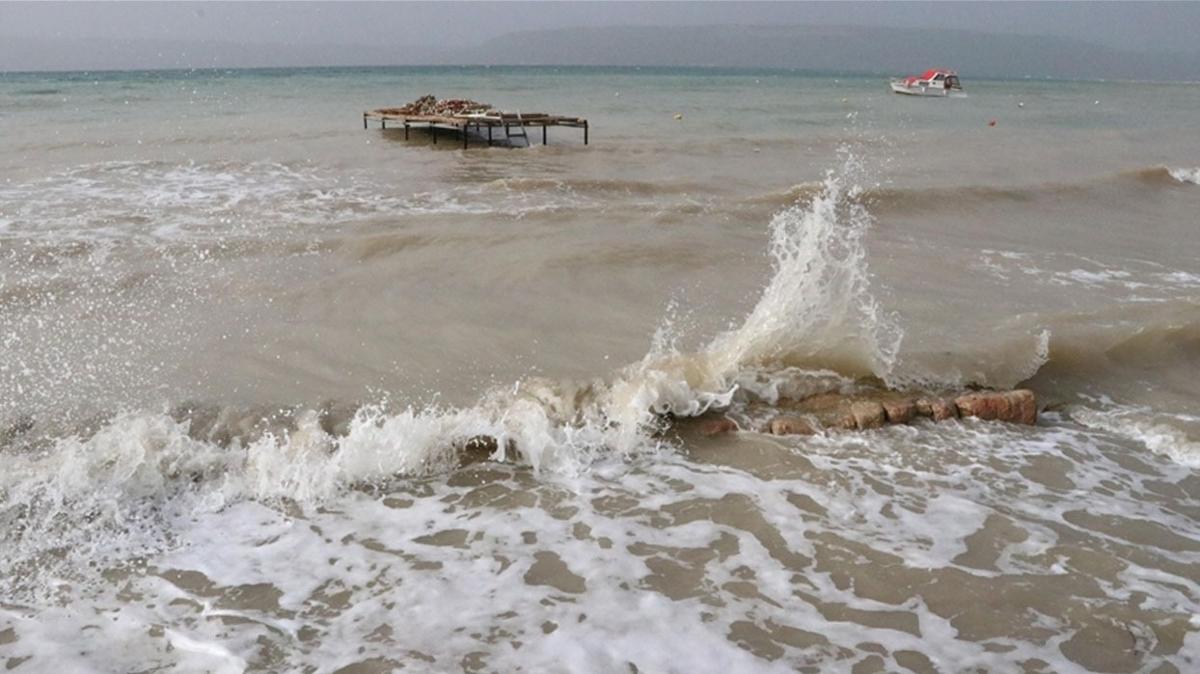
point(1135, 25)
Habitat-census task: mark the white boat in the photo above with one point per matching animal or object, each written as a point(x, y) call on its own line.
point(933, 82)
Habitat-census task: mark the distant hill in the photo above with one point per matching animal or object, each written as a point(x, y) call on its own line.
point(26, 53)
point(833, 48)
point(850, 49)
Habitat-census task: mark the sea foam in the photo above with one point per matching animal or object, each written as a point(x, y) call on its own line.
point(1186, 175)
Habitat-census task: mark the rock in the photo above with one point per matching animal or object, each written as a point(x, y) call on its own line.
point(790, 426)
point(869, 406)
point(899, 411)
point(481, 448)
point(825, 410)
point(717, 426)
point(481, 443)
point(937, 409)
point(944, 409)
point(867, 414)
point(1024, 406)
point(984, 405)
point(1017, 407)
point(846, 423)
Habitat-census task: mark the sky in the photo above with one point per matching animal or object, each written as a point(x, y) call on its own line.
point(1137, 26)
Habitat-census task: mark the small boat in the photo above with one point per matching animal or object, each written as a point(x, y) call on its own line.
point(933, 82)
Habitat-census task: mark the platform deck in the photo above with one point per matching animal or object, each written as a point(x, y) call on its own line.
point(482, 125)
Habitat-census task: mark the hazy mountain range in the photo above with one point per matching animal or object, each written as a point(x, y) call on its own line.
point(819, 48)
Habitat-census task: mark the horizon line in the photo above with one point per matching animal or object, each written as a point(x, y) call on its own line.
point(777, 69)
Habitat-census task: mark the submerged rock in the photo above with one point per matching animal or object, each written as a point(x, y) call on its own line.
point(937, 409)
point(869, 408)
point(867, 414)
point(718, 426)
point(790, 426)
point(1018, 407)
point(481, 448)
point(851, 408)
point(900, 411)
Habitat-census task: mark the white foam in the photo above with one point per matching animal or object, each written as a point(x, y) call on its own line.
point(1144, 426)
point(149, 201)
point(1186, 175)
point(918, 497)
point(1101, 277)
point(1181, 278)
point(152, 201)
point(225, 661)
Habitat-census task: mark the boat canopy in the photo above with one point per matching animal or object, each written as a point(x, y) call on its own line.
point(929, 75)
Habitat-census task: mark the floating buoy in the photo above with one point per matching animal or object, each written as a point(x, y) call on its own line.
point(992, 123)
point(1020, 104)
point(844, 100)
point(616, 93)
point(679, 115)
point(1096, 103)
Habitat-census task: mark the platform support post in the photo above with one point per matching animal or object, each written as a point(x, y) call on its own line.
point(466, 134)
point(489, 135)
point(406, 131)
point(433, 128)
point(382, 123)
point(585, 133)
point(364, 120)
point(543, 134)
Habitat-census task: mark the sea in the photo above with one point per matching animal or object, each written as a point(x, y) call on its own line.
point(279, 393)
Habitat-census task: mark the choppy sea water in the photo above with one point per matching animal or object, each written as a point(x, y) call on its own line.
point(245, 345)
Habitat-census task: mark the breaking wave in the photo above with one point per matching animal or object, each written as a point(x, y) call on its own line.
point(885, 199)
point(108, 494)
point(64, 498)
point(1159, 433)
point(1185, 175)
point(1117, 348)
point(818, 309)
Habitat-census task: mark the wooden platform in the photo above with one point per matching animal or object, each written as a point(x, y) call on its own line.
point(489, 127)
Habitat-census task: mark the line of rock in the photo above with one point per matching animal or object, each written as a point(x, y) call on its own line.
point(849, 412)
